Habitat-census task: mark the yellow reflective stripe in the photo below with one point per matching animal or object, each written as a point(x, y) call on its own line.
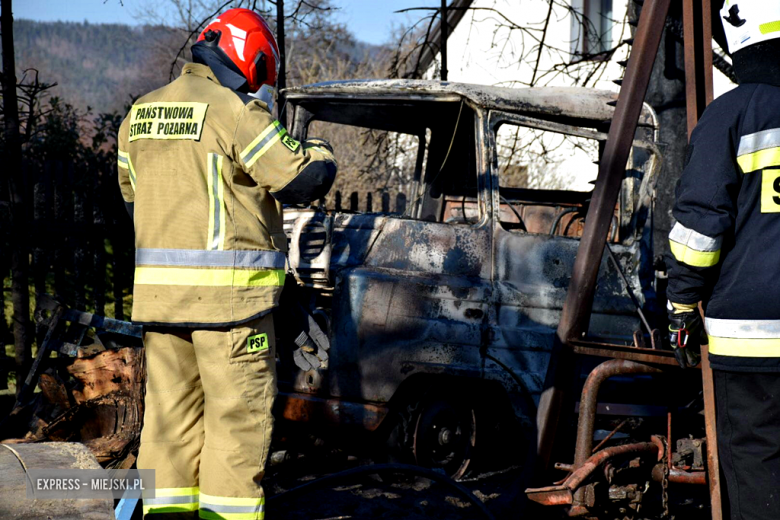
point(262, 143)
point(215, 238)
point(177, 508)
point(681, 308)
point(221, 195)
point(211, 515)
point(769, 27)
point(209, 277)
point(176, 492)
point(759, 160)
point(259, 138)
point(122, 158)
point(210, 190)
point(232, 508)
point(745, 347)
point(132, 172)
point(692, 257)
point(231, 501)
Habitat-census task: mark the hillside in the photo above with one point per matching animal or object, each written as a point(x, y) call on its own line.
point(104, 65)
point(94, 65)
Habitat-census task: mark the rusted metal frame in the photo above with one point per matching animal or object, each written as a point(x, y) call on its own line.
point(713, 463)
point(697, 43)
point(565, 493)
point(579, 298)
point(589, 403)
point(608, 437)
point(640, 355)
point(679, 476)
point(443, 39)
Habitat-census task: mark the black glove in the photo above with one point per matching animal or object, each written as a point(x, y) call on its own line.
point(686, 335)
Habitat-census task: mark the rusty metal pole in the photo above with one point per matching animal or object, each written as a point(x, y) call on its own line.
point(697, 38)
point(443, 43)
point(579, 298)
point(281, 80)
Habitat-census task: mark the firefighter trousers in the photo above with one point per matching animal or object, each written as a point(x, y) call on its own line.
point(207, 422)
point(748, 408)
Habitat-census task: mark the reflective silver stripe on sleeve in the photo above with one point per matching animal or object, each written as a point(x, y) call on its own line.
point(230, 509)
point(743, 329)
point(693, 239)
point(164, 501)
point(216, 202)
point(261, 143)
point(210, 258)
point(759, 141)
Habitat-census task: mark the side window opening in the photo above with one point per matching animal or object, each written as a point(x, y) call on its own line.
point(431, 176)
point(546, 180)
point(377, 168)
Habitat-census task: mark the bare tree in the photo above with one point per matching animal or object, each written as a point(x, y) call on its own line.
point(16, 189)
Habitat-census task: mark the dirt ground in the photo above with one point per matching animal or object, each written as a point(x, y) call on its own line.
point(379, 497)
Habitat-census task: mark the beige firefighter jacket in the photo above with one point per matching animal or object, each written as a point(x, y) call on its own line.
point(207, 171)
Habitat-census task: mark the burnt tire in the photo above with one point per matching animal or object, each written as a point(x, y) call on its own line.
point(445, 435)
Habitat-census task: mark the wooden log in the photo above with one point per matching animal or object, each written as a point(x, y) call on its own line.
point(17, 459)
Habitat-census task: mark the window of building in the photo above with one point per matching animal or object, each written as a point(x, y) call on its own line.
point(591, 27)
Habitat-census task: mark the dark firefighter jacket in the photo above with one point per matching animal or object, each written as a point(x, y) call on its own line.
point(207, 171)
point(725, 246)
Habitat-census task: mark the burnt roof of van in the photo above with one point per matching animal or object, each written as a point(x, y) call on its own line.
point(586, 104)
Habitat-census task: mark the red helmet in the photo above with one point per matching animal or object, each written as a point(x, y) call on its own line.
point(248, 42)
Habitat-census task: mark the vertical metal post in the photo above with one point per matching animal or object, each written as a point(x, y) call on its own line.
point(443, 43)
point(579, 298)
point(281, 81)
point(697, 38)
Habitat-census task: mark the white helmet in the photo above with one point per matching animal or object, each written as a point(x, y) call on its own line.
point(746, 22)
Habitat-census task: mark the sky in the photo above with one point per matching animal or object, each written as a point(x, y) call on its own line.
point(369, 20)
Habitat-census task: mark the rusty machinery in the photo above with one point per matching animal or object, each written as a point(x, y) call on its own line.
point(687, 460)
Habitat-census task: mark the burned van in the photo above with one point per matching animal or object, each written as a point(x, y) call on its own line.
point(434, 318)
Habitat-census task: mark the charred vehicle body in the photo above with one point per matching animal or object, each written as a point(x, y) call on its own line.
point(441, 320)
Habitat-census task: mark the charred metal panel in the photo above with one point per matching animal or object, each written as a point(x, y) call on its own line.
point(419, 303)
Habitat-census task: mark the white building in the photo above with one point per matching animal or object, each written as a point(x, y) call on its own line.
point(522, 43)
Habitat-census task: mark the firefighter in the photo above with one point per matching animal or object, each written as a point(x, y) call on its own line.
point(204, 170)
point(725, 252)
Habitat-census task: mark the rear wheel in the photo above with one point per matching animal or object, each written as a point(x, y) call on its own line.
point(444, 435)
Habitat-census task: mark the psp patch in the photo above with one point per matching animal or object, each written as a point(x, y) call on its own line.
point(290, 143)
point(167, 120)
point(257, 343)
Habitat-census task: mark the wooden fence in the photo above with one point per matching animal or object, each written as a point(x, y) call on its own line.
point(377, 201)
